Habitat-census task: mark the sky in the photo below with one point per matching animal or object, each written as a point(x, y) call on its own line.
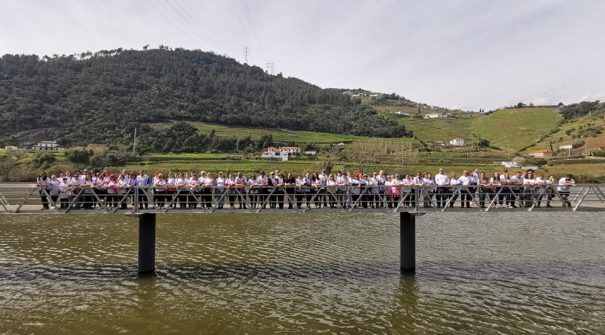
point(472, 54)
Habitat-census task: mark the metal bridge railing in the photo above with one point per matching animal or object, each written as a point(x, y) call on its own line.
point(15, 198)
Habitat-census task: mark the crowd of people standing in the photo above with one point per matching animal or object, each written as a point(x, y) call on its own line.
point(90, 189)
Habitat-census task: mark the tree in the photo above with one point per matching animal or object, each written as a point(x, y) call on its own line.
point(43, 160)
point(483, 143)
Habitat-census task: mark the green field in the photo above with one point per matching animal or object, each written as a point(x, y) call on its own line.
point(433, 130)
point(283, 135)
point(570, 133)
point(156, 157)
point(2, 152)
point(516, 128)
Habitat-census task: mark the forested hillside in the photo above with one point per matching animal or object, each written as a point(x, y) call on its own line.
point(100, 97)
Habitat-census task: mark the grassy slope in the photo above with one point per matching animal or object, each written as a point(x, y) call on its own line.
point(516, 128)
point(282, 135)
point(440, 129)
point(561, 138)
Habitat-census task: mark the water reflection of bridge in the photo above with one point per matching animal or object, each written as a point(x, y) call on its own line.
point(408, 201)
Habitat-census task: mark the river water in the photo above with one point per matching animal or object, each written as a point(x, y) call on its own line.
point(491, 273)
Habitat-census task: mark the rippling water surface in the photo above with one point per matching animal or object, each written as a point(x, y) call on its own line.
point(497, 273)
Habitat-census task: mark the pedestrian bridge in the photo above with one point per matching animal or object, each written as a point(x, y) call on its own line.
point(24, 198)
point(409, 201)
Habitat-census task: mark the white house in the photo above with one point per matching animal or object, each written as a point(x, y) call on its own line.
point(457, 142)
point(435, 116)
point(280, 153)
point(289, 150)
point(275, 155)
point(400, 113)
point(11, 147)
point(510, 164)
point(48, 146)
point(310, 152)
point(541, 154)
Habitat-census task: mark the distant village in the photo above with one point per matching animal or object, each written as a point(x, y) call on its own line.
point(285, 153)
point(40, 146)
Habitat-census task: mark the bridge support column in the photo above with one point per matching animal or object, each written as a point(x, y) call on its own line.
point(146, 243)
point(407, 242)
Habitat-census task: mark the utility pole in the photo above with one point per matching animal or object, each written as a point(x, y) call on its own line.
point(269, 68)
point(246, 54)
point(134, 143)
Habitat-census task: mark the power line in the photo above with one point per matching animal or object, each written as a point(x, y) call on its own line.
point(164, 13)
point(201, 26)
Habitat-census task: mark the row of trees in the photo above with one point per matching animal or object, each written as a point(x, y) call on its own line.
point(183, 137)
point(585, 108)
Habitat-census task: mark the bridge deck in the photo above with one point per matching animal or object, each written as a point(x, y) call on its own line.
point(22, 198)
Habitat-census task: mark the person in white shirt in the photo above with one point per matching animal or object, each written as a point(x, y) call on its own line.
point(194, 186)
point(354, 188)
point(142, 181)
point(64, 192)
point(529, 188)
point(306, 188)
point(219, 191)
point(159, 189)
point(123, 185)
point(331, 186)
point(320, 184)
point(550, 192)
point(170, 194)
point(341, 191)
point(516, 182)
point(428, 186)
point(53, 185)
point(417, 183)
point(75, 185)
point(274, 185)
point(564, 189)
point(253, 190)
point(442, 181)
point(406, 190)
point(208, 188)
point(365, 196)
point(540, 189)
point(484, 189)
point(180, 182)
point(465, 192)
point(263, 192)
point(231, 189)
point(299, 183)
point(496, 189)
point(453, 195)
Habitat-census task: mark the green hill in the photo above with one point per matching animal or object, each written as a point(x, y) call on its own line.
point(514, 129)
point(101, 97)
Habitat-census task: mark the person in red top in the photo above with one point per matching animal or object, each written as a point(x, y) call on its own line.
point(111, 187)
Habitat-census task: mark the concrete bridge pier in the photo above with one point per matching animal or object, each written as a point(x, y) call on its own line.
point(407, 242)
point(147, 243)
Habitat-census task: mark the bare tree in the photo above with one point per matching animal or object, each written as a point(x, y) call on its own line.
point(382, 154)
